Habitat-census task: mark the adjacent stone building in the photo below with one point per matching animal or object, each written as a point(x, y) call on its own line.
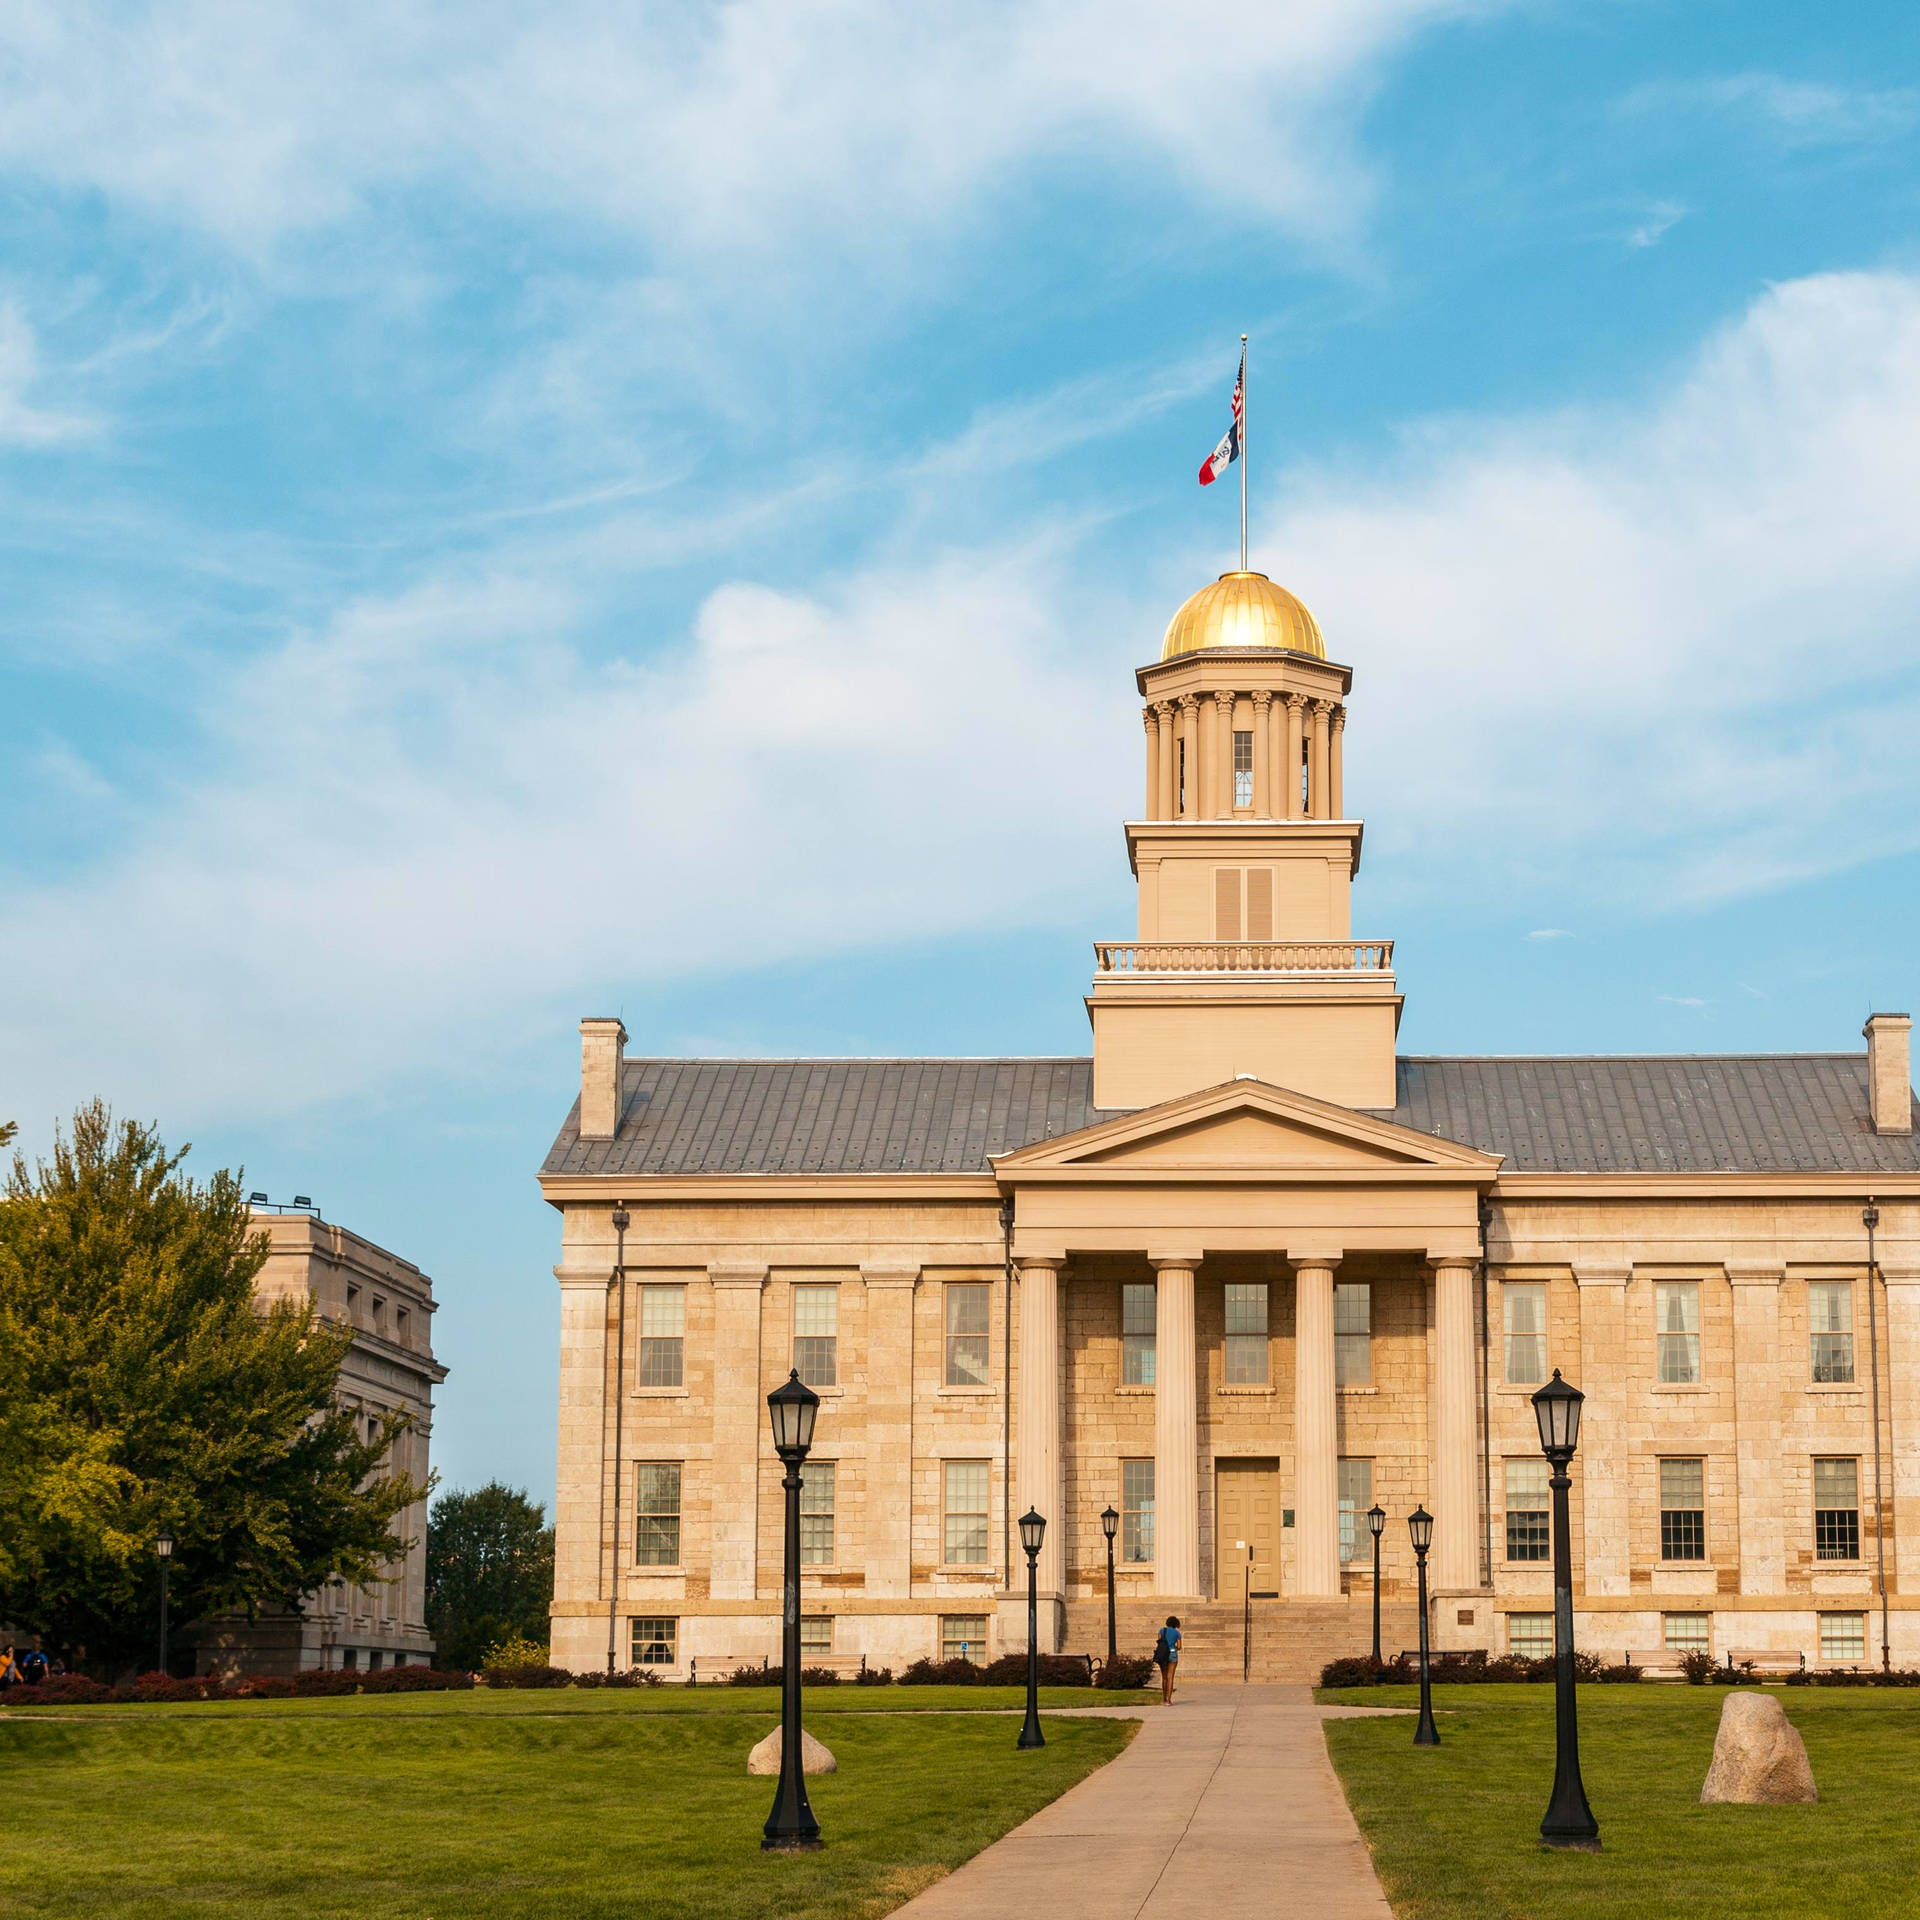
point(1240, 1274)
point(390, 1368)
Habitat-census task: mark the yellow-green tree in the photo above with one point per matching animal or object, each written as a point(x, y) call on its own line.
point(142, 1391)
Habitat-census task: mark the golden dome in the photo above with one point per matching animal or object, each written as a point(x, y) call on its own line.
point(1243, 610)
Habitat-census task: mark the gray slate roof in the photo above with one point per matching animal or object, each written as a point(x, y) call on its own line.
point(1675, 1113)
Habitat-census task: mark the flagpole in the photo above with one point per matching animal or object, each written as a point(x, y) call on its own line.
point(1243, 454)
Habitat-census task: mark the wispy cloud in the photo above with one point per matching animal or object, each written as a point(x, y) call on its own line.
point(1662, 217)
point(1798, 111)
point(23, 423)
point(1680, 1000)
point(1550, 933)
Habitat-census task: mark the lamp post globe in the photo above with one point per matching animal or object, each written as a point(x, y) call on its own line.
point(1420, 1526)
point(1033, 1529)
point(791, 1827)
point(1110, 1525)
point(1376, 1525)
point(1569, 1821)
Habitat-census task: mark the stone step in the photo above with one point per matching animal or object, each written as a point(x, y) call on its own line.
point(1291, 1639)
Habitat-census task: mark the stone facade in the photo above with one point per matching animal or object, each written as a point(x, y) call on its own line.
point(390, 1368)
point(1432, 1236)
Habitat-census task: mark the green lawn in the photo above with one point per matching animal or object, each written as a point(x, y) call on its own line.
point(506, 1804)
point(1455, 1830)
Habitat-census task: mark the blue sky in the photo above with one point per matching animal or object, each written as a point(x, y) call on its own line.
point(654, 510)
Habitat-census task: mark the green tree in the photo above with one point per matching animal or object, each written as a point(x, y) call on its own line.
point(142, 1389)
point(489, 1572)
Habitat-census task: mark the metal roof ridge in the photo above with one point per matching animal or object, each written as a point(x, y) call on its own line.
point(1505, 1059)
point(854, 1059)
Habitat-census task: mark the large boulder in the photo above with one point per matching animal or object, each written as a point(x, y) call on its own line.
point(1758, 1758)
point(814, 1758)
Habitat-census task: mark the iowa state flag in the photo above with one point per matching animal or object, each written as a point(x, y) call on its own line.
point(1228, 451)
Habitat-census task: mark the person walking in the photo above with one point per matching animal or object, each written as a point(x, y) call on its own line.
point(1166, 1656)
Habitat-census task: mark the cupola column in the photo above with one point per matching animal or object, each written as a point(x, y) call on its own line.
point(1317, 766)
point(1187, 771)
point(1164, 714)
point(1262, 754)
point(1335, 796)
point(1296, 721)
point(1222, 776)
point(1152, 719)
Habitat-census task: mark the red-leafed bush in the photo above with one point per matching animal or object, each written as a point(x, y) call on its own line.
point(874, 1677)
point(259, 1686)
point(416, 1680)
point(324, 1683)
point(941, 1673)
point(1121, 1672)
point(1056, 1670)
point(527, 1677)
point(64, 1690)
point(164, 1689)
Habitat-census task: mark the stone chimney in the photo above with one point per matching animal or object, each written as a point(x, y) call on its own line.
point(603, 1045)
point(1889, 1072)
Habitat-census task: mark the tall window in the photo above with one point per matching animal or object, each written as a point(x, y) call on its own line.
point(1676, 1309)
point(1247, 1333)
point(816, 1334)
point(663, 1327)
point(1181, 756)
point(1686, 1632)
point(656, 1513)
point(1136, 1512)
point(968, 1308)
point(1830, 1318)
point(1243, 769)
point(963, 1636)
point(1523, 1305)
point(656, 1642)
point(965, 1540)
point(1353, 1335)
point(816, 1636)
point(1529, 1533)
point(1356, 1496)
point(1836, 1509)
point(1843, 1636)
point(1137, 1309)
point(1683, 1510)
point(1530, 1636)
point(816, 1513)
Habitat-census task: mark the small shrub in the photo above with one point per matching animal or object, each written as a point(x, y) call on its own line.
point(1618, 1673)
point(63, 1690)
point(756, 1677)
point(260, 1686)
point(1697, 1666)
point(164, 1689)
point(528, 1676)
point(325, 1683)
point(1056, 1670)
point(1123, 1671)
point(941, 1673)
point(636, 1677)
point(874, 1677)
point(416, 1680)
point(516, 1650)
point(819, 1677)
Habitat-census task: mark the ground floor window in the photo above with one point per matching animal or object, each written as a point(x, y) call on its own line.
point(816, 1637)
point(963, 1636)
point(816, 1513)
point(351, 1658)
point(1530, 1635)
point(1843, 1636)
point(1686, 1632)
point(1356, 1496)
point(373, 1661)
point(656, 1513)
point(656, 1642)
point(1136, 1512)
point(1836, 1509)
point(1529, 1534)
point(1683, 1510)
point(964, 1540)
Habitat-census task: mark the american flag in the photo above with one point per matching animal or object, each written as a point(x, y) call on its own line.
point(1228, 451)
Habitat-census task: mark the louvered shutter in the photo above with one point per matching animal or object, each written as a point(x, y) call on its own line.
point(1226, 903)
point(1259, 903)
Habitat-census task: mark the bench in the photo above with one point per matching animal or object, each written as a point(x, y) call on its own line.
point(1658, 1663)
point(1760, 1661)
point(712, 1668)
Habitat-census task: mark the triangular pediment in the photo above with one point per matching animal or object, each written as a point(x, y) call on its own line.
point(1247, 1128)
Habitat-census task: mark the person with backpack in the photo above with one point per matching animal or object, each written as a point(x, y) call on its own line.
point(1166, 1656)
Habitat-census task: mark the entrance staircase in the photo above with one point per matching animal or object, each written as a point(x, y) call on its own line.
point(1291, 1641)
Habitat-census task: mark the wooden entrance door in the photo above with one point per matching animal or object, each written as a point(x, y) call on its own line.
point(1246, 1514)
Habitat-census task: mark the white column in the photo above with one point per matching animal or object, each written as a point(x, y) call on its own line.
point(1152, 717)
point(1037, 1479)
point(1603, 1559)
point(1316, 1443)
point(889, 1438)
point(1176, 1433)
point(739, 1416)
point(1451, 1397)
point(1902, 1297)
point(1756, 1426)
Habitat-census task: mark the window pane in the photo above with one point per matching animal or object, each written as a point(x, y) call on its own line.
point(1247, 1308)
point(655, 1642)
point(656, 1514)
point(1683, 1521)
point(965, 1539)
point(1356, 1496)
point(663, 1322)
point(1836, 1509)
point(1247, 1335)
point(1676, 1306)
point(1529, 1526)
point(1830, 1319)
point(1836, 1483)
point(1530, 1635)
point(1243, 769)
point(1686, 1632)
point(816, 1637)
point(816, 1513)
point(963, 1636)
point(1352, 1308)
point(1524, 1305)
point(1136, 1511)
point(1843, 1636)
point(1137, 1308)
point(1682, 1483)
point(1352, 1348)
point(968, 1308)
point(816, 1311)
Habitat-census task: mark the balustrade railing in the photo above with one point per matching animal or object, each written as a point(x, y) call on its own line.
point(1243, 956)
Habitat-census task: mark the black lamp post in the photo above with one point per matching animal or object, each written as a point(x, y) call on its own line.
point(1569, 1820)
point(1110, 1525)
point(1420, 1525)
point(1376, 1525)
point(163, 1550)
point(1032, 1531)
point(791, 1825)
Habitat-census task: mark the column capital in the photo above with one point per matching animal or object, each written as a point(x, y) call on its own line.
point(1223, 698)
point(1187, 1261)
point(1896, 1276)
point(1187, 702)
point(1297, 702)
point(1262, 698)
point(1339, 716)
point(575, 1276)
point(1045, 1262)
point(1150, 713)
point(1311, 1256)
point(1758, 1273)
point(890, 1273)
point(737, 1274)
point(1439, 1261)
point(1598, 1274)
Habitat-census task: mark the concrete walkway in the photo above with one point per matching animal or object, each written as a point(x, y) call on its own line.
point(1225, 1805)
